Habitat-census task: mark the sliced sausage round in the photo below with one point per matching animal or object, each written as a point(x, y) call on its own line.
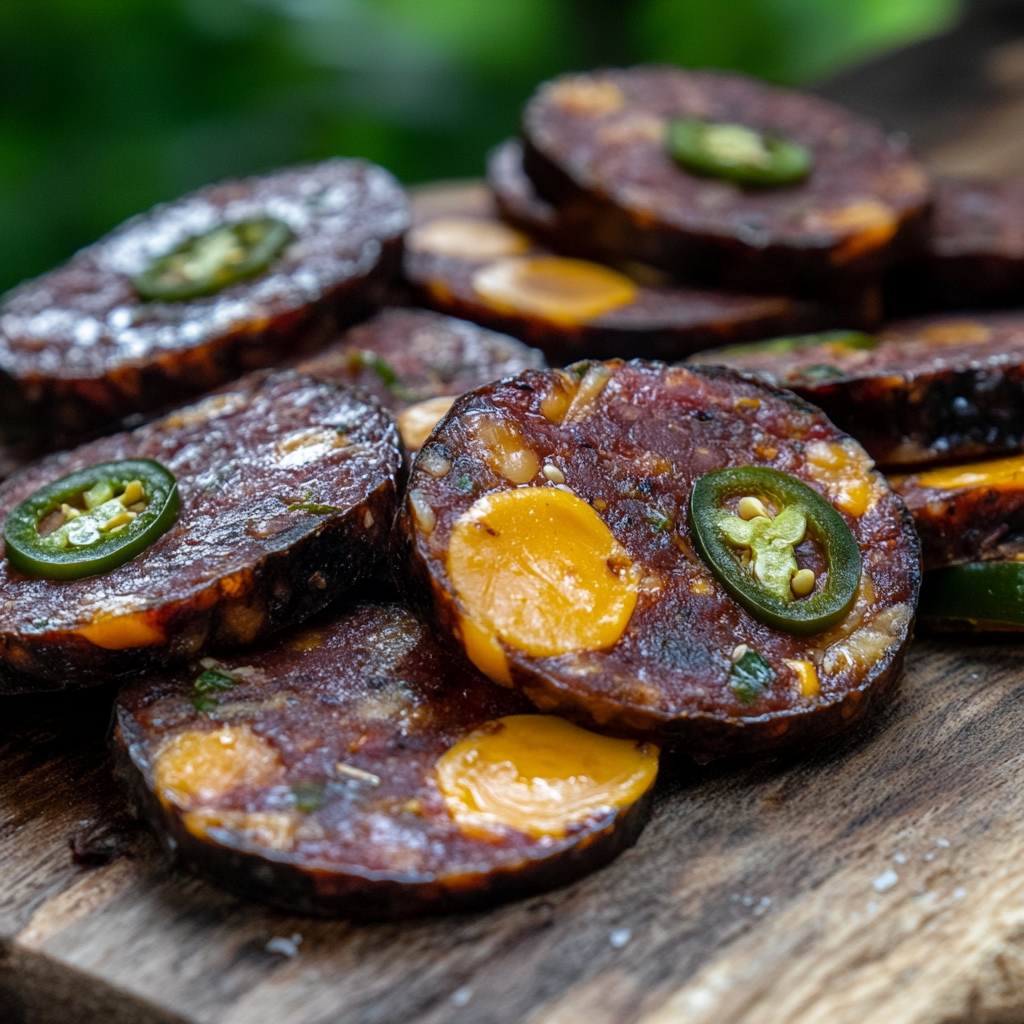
point(599, 142)
point(975, 252)
point(472, 265)
point(931, 389)
point(520, 205)
point(288, 486)
point(548, 531)
point(80, 347)
point(356, 768)
point(416, 362)
point(971, 512)
point(571, 228)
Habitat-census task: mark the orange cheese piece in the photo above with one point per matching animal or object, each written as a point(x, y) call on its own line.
point(565, 291)
point(540, 775)
point(538, 568)
point(997, 473)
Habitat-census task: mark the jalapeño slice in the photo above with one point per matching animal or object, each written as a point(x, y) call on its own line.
point(737, 153)
point(979, 597)
point(93, 520)
point(767, 587)
point(204, 264)
point(830, 341)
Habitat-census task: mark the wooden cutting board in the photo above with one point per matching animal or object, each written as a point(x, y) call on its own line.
point(878, 878)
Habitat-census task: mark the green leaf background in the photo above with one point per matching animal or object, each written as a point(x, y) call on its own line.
point(109, 106)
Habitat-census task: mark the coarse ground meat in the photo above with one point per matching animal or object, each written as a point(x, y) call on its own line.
point(288, 488)
point(339, 810)
point(80, 349)
point(630, 440)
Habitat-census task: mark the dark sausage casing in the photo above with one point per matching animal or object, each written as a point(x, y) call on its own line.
point(975, 252)
point(630, 439)
point(288, 488)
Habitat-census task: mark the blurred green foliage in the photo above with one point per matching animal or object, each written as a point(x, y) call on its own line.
point(108, 106)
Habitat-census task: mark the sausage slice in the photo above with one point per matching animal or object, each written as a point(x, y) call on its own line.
point(970, 512)
point(416, 362)
point(975, 252)
point(547, 531)
point(931, 389)
point(598, 142)
point(472, 265)
point(288, 487)
point(356, 768)
point(520, 205)
point(80, 347)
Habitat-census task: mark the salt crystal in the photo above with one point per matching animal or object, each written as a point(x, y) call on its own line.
point(283, 946)
point(885, 881)
point(619, 937)
point(461, 996)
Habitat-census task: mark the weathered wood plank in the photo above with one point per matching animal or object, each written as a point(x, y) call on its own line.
point(759, 893)
point(753, 895)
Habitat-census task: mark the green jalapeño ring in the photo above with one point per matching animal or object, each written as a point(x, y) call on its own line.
point(767, 587)
point(978, 597)
point(737, 153)
point(204, 264)
point(844, 341)
point(93, 520)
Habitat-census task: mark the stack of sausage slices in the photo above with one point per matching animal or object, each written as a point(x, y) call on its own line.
point(404, 609)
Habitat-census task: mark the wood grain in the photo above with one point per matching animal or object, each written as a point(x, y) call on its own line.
point(752, 896)
point(879, 878)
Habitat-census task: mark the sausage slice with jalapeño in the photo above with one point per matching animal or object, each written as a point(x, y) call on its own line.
point(206, 529)
point(663, 552)
point(726, 180)
point(197, 292)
